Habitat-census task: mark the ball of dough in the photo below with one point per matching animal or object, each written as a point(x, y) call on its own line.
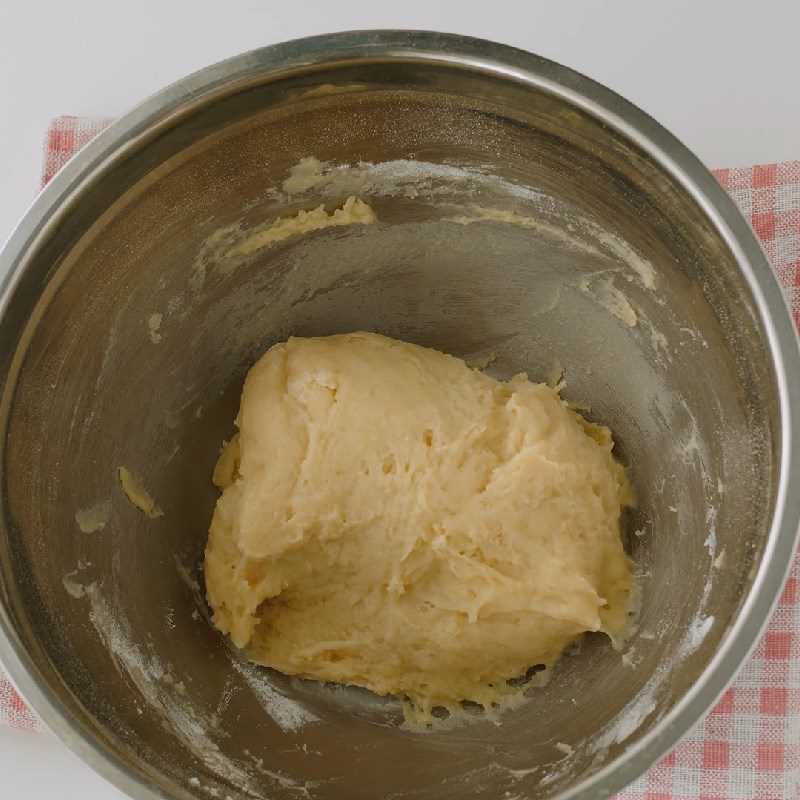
point(395, 520)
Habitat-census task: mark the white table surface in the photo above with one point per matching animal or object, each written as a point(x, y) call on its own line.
point(721, 74)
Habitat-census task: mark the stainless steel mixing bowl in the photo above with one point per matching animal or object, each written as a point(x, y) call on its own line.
point(105, 633)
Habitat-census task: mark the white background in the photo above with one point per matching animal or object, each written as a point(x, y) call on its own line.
point(721, 74)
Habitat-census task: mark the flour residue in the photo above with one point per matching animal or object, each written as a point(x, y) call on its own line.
point(658, 341)
point(568, 235)
point(288, 714)
point(612, 300)
point(698, 631)
point(147, 672)
point(510, 217)
point(689, 446)
point(153, 324)
point(519, 774)
point(630, 658)
point(631, 717)
point(209, 251)
point(73, 587)
point(94, 518)
point(193, 585)
point(620, 248)
point(609, 296)
point(711, 529)
point(635, 715)
point(644, 704)
point(170, 700)
point(404, 177)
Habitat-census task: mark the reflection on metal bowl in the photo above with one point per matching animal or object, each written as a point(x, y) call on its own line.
point(524, 215)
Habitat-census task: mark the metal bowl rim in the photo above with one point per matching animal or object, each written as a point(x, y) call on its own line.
point(182, 97)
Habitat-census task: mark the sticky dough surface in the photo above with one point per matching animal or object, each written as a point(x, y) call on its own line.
point(395, 520)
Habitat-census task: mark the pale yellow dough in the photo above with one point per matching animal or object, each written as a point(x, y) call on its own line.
point(138, 496)
point(395, 520)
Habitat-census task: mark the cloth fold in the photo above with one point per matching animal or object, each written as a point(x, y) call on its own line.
point(748, 746)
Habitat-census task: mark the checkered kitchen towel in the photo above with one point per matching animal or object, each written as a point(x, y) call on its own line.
point(748, 747)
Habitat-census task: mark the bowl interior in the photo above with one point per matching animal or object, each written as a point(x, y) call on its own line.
point(511, 226)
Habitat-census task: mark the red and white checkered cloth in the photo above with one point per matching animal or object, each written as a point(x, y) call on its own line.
point(748, 746)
